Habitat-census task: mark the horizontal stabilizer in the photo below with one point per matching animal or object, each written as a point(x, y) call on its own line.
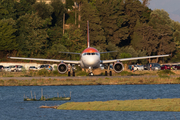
point(70, 53)
point(108, 52)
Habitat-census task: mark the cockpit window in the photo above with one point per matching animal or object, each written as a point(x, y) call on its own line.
point(90, 54)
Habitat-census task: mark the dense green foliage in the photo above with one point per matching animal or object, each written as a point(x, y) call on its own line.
point(32, 29)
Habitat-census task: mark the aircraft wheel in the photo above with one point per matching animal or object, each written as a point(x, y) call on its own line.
point(105, 73)
point(73, 73)
point(110, 73)
point(91, 74)
point(69, 73)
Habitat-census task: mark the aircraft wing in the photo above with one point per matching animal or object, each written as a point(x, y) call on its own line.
point(49, 60)
point(134, 58)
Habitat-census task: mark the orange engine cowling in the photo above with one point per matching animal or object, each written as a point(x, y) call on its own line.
point(118, 67)
point(62, 68)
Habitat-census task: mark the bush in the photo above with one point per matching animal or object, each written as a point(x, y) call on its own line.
point(43, 72)
point(82, 73)
point(165, 72)
point(124, 73)
point(55, 72)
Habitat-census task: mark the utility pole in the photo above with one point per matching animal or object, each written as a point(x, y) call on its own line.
point(63, 22)
point(79, 16)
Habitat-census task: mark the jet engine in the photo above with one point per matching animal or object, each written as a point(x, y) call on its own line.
point(62, 68)
point(118, 67)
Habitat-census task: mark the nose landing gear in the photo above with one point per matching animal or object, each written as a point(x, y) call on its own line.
point(90, 71)
point(91, 74)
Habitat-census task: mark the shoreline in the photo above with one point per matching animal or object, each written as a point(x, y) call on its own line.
point(100, 80)
point(165, 104)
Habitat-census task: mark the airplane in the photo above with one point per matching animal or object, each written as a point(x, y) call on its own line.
point(89, 59)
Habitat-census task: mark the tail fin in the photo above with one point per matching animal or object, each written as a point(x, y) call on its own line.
point(88, 42)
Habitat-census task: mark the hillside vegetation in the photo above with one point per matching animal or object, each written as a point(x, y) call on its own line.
point(35, 29)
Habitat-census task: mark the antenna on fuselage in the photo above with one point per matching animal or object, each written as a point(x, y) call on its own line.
point(88, 42)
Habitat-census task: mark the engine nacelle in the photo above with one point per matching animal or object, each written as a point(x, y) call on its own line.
point(118, 67)
point(62, 68)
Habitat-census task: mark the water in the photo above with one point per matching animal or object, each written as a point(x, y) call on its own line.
point(12, 106)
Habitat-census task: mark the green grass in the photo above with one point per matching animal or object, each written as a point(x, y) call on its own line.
point(82, 73)
point(165, 72)
point(126, 105)
point(125, 73)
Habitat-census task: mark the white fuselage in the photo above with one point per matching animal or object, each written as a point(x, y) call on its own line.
point(90, 60)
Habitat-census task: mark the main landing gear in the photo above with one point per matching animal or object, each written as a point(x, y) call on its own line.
point(69, 73)
point(108, 71)
point(71, 68)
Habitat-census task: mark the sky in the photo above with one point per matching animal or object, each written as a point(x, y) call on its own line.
point(171, 6)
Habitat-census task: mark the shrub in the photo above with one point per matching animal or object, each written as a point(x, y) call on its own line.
point(165, 72)
point(43, 72)
point(55, 72)
point(123, 73)
point(82, 73)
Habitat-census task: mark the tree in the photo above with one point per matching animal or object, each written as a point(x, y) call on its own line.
point(146, 2)
point(89, 12)
point(3, 11)
point(113, 19)
point(43, 10)
point(32, 36)
point(54, 50)
point(77, 40)
point(57, 15)
point(55, 35)
point(145, 38)
point(155, 37)
point(8, 10)
point(7, 35)
point(22, 7)
point(69, 4)
point(135, 10)
point(161, 22)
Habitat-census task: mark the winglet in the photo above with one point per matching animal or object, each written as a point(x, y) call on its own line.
point(88, 42)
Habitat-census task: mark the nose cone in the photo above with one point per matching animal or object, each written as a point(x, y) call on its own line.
point(91, 61)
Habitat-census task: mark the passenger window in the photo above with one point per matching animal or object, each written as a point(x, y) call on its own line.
point(88, 53)
point(93, 53)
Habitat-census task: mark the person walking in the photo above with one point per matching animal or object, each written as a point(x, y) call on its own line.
point(133, 68)
point(150, 67)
